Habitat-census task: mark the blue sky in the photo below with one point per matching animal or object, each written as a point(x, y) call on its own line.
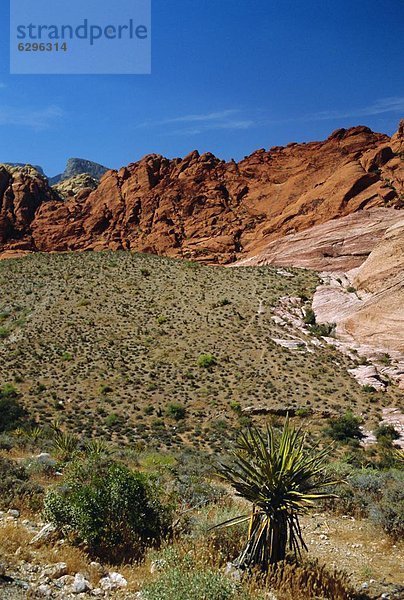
point(228, 76)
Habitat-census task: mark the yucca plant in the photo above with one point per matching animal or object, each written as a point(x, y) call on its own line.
point(282, 480)
point(20, 433)
point(36, 433)
point(65, 445)
point(97, 448)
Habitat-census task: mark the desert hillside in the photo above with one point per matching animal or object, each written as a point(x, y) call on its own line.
point(105, 342)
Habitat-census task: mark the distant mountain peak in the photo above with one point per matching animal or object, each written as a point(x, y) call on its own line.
point(79, 166)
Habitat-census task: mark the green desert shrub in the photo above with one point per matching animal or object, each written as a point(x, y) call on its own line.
point(389, 511)
point(207, 361)
point(236, 407)
point(369, 389)
point(4, 333)
point(112, 420)
point(310, 316)
point(345, 428)
point(194, 491)
point(323, 329)
point(386, 434)
point(176, 584)
point(176, 411)
point(115, 512)
point(8, 391)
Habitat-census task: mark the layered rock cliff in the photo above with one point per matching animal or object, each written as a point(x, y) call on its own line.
point(380, 319)
point(337, 245)
point(366, 304)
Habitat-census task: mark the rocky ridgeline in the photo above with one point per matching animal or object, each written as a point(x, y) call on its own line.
point(203, 208)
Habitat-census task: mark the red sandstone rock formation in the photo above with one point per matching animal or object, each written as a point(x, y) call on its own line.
point(203, 208)
point(23, 190)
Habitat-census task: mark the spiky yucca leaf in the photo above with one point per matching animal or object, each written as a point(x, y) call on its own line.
point(282, 481)
point(398, 454)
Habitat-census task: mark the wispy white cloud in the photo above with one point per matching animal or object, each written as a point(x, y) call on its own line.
point(37, 119)
point(195, 124)
point(382, 106)
point(230, 125)
point(393, 104)
point(204, 117)
point(234, 119)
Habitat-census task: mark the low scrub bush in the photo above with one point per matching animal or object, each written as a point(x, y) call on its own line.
point(310, 316)
point(180, 584)
point(176, 411)
point(16, 489)
point(4, 333)
point(386, 434)
point(388, 512)
point(369, 389)
point(115, 512)
point(377, 495)
point(194, 491)
point(323, 329)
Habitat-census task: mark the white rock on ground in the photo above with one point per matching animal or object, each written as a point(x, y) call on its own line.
point(80, 584)
point(54, 571)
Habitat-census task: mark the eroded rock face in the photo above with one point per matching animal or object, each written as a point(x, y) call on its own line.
point(337, 245)
point(202, 208)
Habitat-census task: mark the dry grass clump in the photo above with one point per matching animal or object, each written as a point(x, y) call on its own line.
point(12, 537)
point(306, 581)
point(15, 538)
